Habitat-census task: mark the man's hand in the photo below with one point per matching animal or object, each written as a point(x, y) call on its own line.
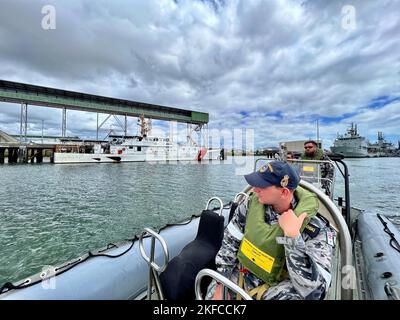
point(290, 223)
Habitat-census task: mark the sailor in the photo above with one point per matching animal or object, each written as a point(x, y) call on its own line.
point(290, 159)
point(312, 152)
point(290, 156)
point(276, 246)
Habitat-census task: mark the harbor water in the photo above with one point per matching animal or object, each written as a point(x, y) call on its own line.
point(53, 213)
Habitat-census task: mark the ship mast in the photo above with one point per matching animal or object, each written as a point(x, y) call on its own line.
point(145, 126)
point(380, 137)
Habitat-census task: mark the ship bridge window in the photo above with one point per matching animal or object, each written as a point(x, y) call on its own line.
point(139, 148)
point(130, 147)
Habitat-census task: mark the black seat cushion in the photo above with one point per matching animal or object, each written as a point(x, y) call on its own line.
point(177, 281)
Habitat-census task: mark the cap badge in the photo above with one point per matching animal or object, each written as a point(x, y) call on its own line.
point(285, 181)
point(263, 169)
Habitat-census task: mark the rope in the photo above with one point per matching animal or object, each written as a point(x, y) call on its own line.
point(10, 286)
point(393, 241)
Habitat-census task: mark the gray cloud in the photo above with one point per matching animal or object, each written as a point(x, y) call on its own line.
point(228, 59)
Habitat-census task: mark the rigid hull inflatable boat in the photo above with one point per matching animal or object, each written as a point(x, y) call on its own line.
point(173, 262)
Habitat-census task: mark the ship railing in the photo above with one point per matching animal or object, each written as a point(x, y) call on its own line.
point(310, 171)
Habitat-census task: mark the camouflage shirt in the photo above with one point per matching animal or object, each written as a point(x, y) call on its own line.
point(327, 170)
point(308, 257)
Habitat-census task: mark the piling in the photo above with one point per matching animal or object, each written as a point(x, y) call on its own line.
point(31, 158)
point(12, 155)
point(2, 152)
point(22, 155)
point(39, 156)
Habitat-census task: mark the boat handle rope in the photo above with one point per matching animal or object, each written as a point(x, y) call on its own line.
point(221, 208)
point(7, 286)
point(221, 279)
point(391, 292)
point(64, 268)
point(393, 239)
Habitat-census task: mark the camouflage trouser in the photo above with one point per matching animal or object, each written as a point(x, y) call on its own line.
point(327, 186)
point(282, 291)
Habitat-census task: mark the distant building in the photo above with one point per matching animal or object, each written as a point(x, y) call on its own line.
point(46, 139)
point(270, 151)
point(4, 137)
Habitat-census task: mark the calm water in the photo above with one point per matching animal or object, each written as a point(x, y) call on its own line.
point(53, 213)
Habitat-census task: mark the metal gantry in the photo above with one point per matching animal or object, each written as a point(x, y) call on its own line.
point(23, 130)
point(25, 94)
point(64, 123)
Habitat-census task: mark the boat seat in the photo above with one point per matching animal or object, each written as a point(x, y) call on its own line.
point(177, 281)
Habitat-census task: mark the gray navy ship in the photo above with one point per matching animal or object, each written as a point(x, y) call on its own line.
point(383, 148)
point(351, 144)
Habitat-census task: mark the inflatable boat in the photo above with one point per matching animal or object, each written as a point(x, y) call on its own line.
point(171, 263)
point(377, 257)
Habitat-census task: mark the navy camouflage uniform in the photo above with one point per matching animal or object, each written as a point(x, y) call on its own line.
point(308, 258)
point(327, 172)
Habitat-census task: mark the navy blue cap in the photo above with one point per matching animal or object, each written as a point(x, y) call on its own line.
point(274, 173)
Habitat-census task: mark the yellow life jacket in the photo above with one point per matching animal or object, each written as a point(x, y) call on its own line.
point(259, 252)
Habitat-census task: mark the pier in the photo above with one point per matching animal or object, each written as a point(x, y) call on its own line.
point(16, 151)
point(24, 153)
point(19, 152)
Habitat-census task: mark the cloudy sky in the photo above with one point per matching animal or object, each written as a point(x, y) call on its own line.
point(273, 66)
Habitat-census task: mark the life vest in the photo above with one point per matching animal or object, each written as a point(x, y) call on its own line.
point(319, 155)
point(259, 252)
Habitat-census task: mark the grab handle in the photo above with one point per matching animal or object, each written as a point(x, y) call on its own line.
point(238, 195)
point(154, 235)
point(219, 278)
point(220, 202)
